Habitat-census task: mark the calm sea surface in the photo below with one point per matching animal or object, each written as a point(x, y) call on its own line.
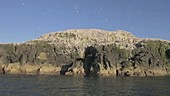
point(22, 85)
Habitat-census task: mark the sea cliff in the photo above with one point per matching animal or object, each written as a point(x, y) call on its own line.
point(87, 52)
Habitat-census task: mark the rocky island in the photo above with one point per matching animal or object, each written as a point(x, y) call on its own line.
point(89, 52)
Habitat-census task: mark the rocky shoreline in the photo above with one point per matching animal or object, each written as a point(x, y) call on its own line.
point(87, 52)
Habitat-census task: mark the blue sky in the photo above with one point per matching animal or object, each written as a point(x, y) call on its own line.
point(23, 20)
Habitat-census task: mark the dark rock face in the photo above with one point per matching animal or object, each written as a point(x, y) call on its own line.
point(168, 53)
point(107, 57)
point(149, 58)
point(65, 68)
point(91, 60)
point(32, 54)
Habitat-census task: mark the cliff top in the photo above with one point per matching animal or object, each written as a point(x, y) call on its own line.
point(82, 33)
point(88, 37)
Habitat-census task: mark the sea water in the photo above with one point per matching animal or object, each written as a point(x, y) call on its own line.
point(41, 85)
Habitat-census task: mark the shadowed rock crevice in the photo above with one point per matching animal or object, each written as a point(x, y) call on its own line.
point(168, 53)
point(91, 59)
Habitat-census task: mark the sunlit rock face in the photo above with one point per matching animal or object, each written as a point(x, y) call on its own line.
point(89, 52)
